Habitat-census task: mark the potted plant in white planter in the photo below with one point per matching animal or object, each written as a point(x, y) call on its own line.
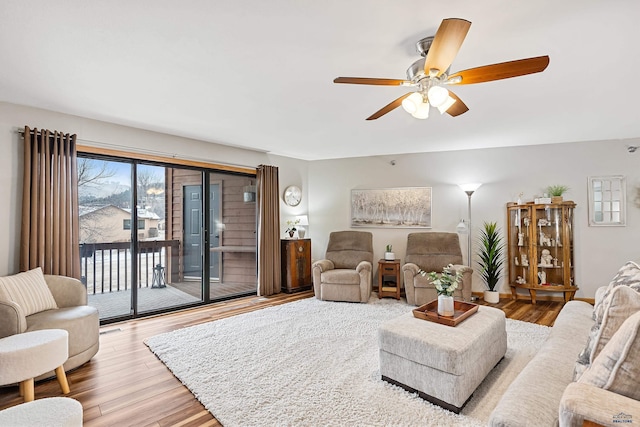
point(491, 260)
point(388, 254)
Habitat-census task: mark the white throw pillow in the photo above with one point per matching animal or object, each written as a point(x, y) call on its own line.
point(623, 303)
point(628, 275)
point(617, 367)
point(29, 290)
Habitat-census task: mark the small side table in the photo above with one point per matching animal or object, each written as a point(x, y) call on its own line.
point(389, 278)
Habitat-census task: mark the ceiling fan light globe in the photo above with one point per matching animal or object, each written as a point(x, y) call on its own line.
point(445, 106)
point(422, 112)
point(412, 102)
point(437, 95)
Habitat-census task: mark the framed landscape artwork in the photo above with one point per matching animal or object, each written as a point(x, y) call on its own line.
point(406, 207)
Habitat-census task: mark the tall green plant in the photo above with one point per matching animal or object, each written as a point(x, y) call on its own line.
point(491, 254)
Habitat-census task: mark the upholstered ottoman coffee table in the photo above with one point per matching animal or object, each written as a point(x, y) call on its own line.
point(443, 364)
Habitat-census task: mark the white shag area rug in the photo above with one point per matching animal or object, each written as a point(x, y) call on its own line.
point(312, 363)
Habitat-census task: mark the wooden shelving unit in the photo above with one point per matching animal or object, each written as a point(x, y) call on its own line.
point(540, 248)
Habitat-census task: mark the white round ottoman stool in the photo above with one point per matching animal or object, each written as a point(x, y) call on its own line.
point(30, 354)
point(48, 412)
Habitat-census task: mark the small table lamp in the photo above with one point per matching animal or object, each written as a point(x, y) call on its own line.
point(302, 220)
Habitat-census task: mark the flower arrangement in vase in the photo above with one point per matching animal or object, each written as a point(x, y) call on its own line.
point(445, 283)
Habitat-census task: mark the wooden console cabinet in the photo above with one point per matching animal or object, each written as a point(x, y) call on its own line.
point(296, 265)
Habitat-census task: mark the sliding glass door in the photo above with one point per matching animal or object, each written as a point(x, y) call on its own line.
point(150, 241)
point(233, 242)
point(160, 283)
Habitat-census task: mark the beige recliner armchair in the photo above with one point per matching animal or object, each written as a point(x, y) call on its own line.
point(432, 251)
point(73, 314)
point(345, 274)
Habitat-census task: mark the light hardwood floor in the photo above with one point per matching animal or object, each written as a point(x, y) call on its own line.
point(126, 385)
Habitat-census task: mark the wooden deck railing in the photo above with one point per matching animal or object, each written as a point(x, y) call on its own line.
point(106, 267)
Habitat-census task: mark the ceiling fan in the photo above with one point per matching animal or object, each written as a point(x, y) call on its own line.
point(430, 74)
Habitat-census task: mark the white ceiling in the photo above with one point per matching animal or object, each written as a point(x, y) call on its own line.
point(258, 73)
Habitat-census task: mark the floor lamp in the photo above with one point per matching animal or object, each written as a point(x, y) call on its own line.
point(469, 189)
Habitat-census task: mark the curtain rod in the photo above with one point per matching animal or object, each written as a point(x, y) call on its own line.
point(111, 146)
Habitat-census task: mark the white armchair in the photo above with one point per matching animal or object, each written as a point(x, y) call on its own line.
point(72, 314)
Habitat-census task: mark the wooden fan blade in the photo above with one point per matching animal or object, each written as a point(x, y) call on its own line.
point(371, 81)
point(389, 107)
point(458, 107)
point(446, 44)
point(503, 70)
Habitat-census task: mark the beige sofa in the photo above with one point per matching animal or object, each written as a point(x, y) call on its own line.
point(73, 314)
point(554, 389)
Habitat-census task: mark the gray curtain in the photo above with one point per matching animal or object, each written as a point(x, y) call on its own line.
point(49, 235)
point(269, 280)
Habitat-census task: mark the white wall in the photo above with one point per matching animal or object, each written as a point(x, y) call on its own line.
point(326, 185)
point(504, 172)
point(292, 172)
point(14, 117)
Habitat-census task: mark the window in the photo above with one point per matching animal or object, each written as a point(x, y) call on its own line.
point(126, 224)
point(607, 200)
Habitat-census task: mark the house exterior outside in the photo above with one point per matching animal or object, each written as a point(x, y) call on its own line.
point(101, 224)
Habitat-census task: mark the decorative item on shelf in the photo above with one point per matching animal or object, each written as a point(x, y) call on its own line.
point(546, 260)
point(445, 283)
point(388, 254)
point(491, 260)
point(520, 197)
point(556, 192)
point(302, 220)
point(545, 199)
point(292, 227)
point(542, 277)
point(545, 240)
point(525, 260)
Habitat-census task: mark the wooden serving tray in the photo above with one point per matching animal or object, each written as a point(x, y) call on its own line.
point(461, 310)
